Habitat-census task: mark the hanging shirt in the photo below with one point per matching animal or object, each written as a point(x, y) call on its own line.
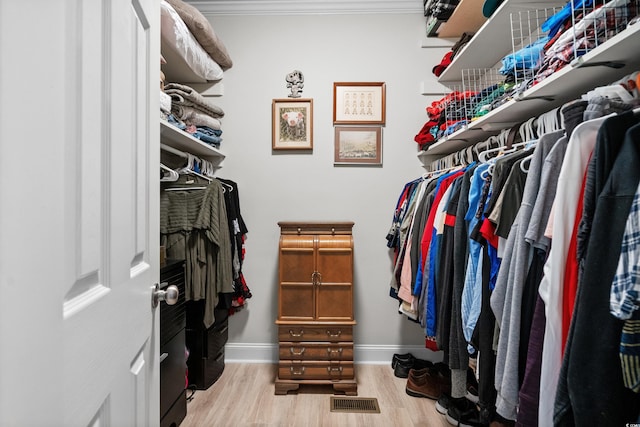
point(472, 290)
point(576, 158)
point(625, 289)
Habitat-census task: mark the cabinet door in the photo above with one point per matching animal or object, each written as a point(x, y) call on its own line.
point(334, 286)
point(297, 267)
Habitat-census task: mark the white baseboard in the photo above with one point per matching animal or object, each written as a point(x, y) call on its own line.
point(364, 353)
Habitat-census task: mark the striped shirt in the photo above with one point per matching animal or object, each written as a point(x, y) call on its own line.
point(625, 289)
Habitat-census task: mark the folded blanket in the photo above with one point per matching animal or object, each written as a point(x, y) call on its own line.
point(165, 103)
point(187, 96)
point(195, 117)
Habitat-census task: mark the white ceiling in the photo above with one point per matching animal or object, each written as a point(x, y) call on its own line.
point(306, 7)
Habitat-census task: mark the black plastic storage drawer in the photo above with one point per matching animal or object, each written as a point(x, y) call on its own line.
point(206, 346)
point(172, 317)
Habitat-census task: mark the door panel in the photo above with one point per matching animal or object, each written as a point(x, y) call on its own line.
point(297, 302)
point(296, 265)
point(296, 297)
point(334, 299)
point(334, 302)
point(335, 265)
point(79, 231)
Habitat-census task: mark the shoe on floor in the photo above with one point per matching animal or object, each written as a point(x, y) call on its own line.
point(401, 369)
point(464, 413)
point(427, 383)
point(472, 393)
point(443, 403)
point(404, 358)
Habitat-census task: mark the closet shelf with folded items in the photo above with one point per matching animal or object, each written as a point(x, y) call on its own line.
point(174, 137)
point(557, 60)
point(193, 59)
point(196, 120)
point(492, 40)
point(194, 53)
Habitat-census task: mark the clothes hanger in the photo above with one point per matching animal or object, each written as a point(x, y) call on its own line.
point(189, 168)
point(482, 156)
point(225, 186)
point(173, 175)
point(501, 151)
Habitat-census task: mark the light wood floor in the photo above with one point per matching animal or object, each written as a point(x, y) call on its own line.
point(244, 396)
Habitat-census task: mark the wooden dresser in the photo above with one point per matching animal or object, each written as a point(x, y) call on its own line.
point(315, 306)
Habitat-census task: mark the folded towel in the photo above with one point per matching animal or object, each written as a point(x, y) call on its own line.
point(165, 103)
point(195, 117)
point(186, 95)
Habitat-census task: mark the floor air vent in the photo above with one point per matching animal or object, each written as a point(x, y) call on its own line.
point(367, 405)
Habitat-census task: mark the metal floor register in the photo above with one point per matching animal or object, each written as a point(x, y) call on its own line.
point(355, 404)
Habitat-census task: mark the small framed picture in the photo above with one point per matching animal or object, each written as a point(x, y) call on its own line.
point(292, 127)
point(358, 145)
point(359, 103)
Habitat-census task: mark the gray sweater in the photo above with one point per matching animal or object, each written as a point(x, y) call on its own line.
point(506, 298)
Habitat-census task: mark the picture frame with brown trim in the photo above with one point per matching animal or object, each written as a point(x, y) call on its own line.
point(359, 103)
point(358, 145)
point(292, 124)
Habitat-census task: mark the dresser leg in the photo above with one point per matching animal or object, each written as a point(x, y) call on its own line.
point(350, 389)
point(283, 388)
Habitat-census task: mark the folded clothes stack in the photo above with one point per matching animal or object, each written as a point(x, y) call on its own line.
point(191, 112)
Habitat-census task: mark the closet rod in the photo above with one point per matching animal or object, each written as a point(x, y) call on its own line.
point(174, 151)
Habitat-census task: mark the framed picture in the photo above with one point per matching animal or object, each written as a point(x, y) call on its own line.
point(359, 103)
point(356, 145)
point(292, 124)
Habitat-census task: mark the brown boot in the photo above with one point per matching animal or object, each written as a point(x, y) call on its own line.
point(427, 383)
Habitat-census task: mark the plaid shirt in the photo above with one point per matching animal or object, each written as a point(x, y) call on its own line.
point(625, 289)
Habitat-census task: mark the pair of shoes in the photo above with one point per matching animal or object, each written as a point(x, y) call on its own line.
point(427, 382)
point(403, 358)
point(464, 413)
point(443, 403)
point(401, 369)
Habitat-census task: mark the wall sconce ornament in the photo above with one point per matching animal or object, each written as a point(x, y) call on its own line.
point(295, 81)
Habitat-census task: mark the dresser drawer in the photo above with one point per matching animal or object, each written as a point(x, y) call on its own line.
point(316, 351)
point(301, 370)
point(330, 333)
point(173, 371)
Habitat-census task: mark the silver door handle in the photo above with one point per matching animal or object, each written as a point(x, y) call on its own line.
point(170, 296)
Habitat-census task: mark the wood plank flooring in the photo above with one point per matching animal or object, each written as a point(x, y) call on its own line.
point(244, 396)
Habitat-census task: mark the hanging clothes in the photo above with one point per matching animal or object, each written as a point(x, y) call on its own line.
point(593, 327)
point(507, 297)
point(194, 228)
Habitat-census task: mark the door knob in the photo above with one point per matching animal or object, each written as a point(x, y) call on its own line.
point(170, 295)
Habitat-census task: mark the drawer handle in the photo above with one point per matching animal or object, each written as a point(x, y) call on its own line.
point(334, 335)
point(298, 372)
point(331, 369)
point(296, 335)
point(163, 356)
point(333, 350)
point(298, 353)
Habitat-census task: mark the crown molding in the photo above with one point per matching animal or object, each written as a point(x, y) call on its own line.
point(306, 7)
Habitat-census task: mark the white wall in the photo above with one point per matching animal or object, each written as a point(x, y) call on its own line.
point(279, 186)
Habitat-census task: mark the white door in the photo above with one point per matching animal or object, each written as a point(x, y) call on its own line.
point(79, 212)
